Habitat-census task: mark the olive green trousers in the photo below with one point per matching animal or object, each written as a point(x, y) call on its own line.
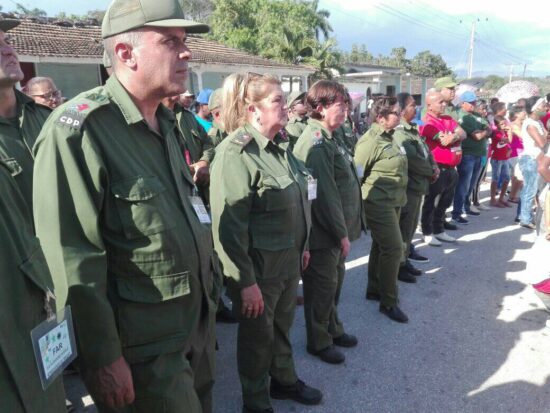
point(386, 252)
point(408, 221)
point(323, 280)
point(263, 343)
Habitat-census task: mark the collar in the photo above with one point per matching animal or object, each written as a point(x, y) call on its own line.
point(260, 139)
point(315, 124)
point(408, 126)
point(378, 130)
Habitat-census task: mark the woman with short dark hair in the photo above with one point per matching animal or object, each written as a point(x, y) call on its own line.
point(382, 167)
point(336, 218)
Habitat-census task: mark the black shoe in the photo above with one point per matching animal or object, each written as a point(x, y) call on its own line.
point(516, 220)
point(299, 392)
point(405, 276)
point(394, 313)
point(530, 226)
point(329, 355)
point(225, 315)
point(412, 269)
point(449, 226)
point(415, 257)
point(460, 220)
point(475, 214)
point(249, 410)
point(345, 340)
point(373, 296)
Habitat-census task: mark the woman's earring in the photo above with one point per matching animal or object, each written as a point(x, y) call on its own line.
point(258, 120)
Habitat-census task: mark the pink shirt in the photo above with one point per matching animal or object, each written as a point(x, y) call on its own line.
point(444, 155)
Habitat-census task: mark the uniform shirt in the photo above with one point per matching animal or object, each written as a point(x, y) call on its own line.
point(197, 142)
point(217, 133)
point(24, 281)
point(382, 166)
point(337, 210)
point(450, 155)
point(260, 207)
point(473, 122)
point(113, 213)
point(17, 137)
point(347, 136)
point(294, 129)
point(420, 162)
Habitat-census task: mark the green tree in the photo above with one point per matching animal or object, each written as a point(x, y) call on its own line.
point(494, 82)
point(95, 14)
point(322, 25)
point(427, 64)
point(35, 12)
point(325, 59)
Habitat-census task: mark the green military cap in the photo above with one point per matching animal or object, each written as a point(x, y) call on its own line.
point(215, 100)
point(8, 24)
point(293, 97)
point(106, 60)
point(125, 15)
point(444, 82)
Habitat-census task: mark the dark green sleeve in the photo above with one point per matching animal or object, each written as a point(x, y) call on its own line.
point(417, 164)
point(366, 155)
point(470, 124)
point(208, 150)
point(327, 208)
point(231, 202)
point(69, 179)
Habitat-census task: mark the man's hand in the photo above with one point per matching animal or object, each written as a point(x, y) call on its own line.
point(305, 259)
point(253, 302)
point(345, 246)
point(435, 175)
point(112, 384)
point(200, 171)
point(447, 138)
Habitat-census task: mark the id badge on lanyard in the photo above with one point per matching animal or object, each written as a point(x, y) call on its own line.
point(53, 342)
point(311, 188)
point(200, 209)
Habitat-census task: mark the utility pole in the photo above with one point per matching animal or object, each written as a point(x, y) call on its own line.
point(471, 57)
point(524, 70)
point(511, 73)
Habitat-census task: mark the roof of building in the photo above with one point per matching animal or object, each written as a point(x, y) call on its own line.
point(45, 37)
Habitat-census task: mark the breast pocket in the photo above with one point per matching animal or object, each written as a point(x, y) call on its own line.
point(142, 206)
point(277, 192)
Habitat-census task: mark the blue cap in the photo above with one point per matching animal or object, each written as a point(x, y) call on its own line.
point(468, 96)
point(204, 96)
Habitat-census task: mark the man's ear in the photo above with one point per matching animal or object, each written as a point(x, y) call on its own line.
point(125, 54)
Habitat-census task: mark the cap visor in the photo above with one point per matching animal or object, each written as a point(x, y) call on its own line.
point(8, 24)
point(189, 25)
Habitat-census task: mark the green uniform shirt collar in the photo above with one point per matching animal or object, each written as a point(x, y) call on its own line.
point(378, 130)
point(408, 126)
point(260, 139)
point(129, 109)
point(21, 101)
point(316, 124)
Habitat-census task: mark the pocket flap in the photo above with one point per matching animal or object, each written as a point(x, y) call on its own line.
point(36, 269)
point(144, 289)
point(139, 188)
point(14, 166)
point(277, 182)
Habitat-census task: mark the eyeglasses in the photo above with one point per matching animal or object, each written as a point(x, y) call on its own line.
point(394, 112)
point(54, 94)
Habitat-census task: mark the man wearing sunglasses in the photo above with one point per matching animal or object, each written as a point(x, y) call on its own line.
point(21, 119)
point(44, 92)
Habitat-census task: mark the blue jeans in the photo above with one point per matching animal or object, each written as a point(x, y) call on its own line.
point(528, 167)
point(468, 172)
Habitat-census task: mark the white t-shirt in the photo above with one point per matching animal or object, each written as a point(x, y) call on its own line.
point(530, 147)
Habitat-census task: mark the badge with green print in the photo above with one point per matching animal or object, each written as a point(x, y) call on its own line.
point(54, 345)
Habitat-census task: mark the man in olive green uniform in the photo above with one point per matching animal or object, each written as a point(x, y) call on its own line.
point(124, 232)
point(217, 132)
point(24, 283)
point(382, 165)
point(297, 119)
point(422, 169)
point(447, 87)
point(21, 119)
point(336, 214)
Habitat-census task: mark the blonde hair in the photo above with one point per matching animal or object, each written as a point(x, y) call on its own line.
point(241, 90)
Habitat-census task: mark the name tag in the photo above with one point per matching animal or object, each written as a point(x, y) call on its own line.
point(402, 150)
point(311, 188)
point(359, 170)
point(54, 345)
point(200, 210)
point(424, 151)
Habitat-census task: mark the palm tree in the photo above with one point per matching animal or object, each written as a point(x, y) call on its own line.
point(321, 25)
point(325, 60)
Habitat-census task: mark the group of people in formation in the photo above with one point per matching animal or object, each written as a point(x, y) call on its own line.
point(120, 204)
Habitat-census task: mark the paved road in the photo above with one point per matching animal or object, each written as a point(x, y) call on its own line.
point(476, 340)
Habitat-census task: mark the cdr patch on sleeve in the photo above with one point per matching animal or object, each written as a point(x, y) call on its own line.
point(73, 116)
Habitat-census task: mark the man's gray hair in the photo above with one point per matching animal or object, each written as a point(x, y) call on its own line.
point(37, 80)
point(132, 38)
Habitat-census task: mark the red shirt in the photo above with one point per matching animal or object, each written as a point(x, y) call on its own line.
point(443, 155)
point(545, 119)
point(500, 147)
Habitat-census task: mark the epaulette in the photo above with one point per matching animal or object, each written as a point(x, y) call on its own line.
point(73, 113)
point(242, 140)
point(317, 137)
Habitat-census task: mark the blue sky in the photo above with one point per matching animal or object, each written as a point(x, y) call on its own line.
point(508, 33)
